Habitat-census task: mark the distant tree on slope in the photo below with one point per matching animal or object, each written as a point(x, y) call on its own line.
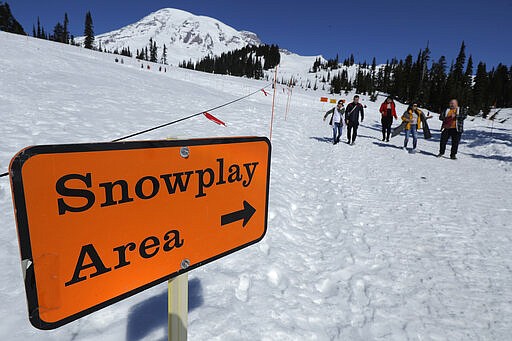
point(7, 21)
point(88, 31)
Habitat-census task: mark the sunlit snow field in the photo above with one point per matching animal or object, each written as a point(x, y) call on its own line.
point(365, 242)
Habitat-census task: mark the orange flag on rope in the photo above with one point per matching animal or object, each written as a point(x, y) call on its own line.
point(324, 99)
point(266, 94)
point(214, 119)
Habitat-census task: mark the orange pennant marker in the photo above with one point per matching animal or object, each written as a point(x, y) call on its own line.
point(100, 222)
point(324, 99)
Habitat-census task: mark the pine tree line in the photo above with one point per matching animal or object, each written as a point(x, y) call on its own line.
point(331, 64)
point(61, 32)
point(431, 86)
point(249, 61)
point(151, 54)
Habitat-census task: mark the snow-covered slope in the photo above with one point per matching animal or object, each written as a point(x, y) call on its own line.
point(297, 67)
point(365, 242)
point(187, 36)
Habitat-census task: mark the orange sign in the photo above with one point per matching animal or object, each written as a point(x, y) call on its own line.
point(100, 222)
point(324, 99)
point(332, 101)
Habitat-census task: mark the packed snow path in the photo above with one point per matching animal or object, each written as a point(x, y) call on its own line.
point(365, 242)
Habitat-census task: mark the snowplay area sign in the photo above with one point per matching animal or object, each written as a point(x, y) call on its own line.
point(100, 222)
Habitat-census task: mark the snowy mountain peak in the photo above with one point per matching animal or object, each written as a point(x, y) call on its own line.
point(187, 36)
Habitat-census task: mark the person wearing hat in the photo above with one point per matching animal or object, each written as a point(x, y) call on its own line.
point(336, 122)
point(388, 112)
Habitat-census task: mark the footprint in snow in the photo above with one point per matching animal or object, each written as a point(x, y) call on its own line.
point(359, 293)
point(264, 248)
point(242, 292)
point(327, 288)
point(276, 279)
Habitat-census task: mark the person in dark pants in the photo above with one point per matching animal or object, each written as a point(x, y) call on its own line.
point(388, 112)
point(452, 127)
point(352, 113)
point(336, 121)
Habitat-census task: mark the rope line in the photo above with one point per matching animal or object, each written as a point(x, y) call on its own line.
point(181, 119)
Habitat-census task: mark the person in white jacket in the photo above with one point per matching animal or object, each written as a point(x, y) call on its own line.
point(337, 121)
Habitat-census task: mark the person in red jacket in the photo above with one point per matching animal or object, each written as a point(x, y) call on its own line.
point(388, 111)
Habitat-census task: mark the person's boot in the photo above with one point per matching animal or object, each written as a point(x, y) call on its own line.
point(439, 155)
point(453, 157)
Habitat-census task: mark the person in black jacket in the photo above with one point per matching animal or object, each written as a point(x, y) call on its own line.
point(352, 113)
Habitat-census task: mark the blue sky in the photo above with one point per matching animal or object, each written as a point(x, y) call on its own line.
point(384, 29)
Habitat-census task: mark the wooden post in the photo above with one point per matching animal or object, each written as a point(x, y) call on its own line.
point(273, 103)
point(178, 308)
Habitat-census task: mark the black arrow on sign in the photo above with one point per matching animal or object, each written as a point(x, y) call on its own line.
point(245, 215)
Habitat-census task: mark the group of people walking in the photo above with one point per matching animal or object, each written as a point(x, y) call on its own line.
point(413, 119)
point(348, 117)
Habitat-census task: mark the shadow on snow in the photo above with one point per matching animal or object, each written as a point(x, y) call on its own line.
point(322, 139)
point(152, 314)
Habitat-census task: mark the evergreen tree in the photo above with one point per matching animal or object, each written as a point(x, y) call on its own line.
point(152, 51)
point(258, 69)
point(336, 84)
point(467, 85)
point(499, 83)
point(164, 55)
point(437, 93)
point(480, 101)
point(345, 83)
point(58, 33)
point(38, 29)
point(423, 88)
point(7, 21)
point(34, 31)
point(508, 89)
point(88, 32)
point(65, 33)
point(456, 82)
